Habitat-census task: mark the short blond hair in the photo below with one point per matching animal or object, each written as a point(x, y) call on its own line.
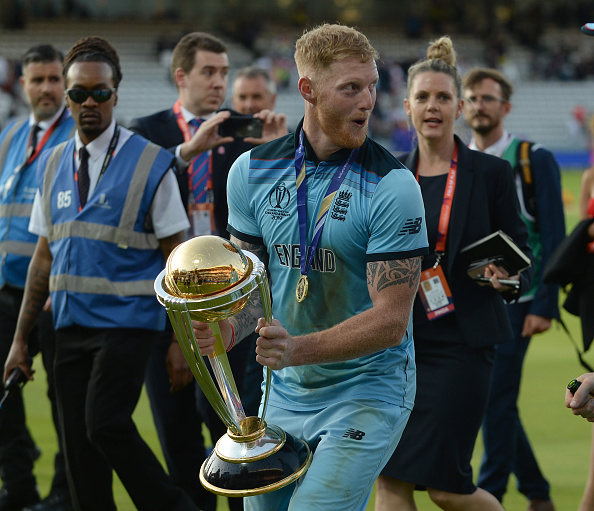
point(321, 46)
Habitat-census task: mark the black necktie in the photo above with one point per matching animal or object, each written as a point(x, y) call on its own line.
point(33, 140)
point(83, 176)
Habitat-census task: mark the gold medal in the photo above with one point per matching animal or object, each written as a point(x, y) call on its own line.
point(301, 291)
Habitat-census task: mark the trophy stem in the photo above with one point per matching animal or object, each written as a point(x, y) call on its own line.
point(177, 311)
point(224, 376)
point(264, 289)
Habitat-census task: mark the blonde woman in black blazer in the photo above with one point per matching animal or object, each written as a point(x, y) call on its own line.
point(454, 351)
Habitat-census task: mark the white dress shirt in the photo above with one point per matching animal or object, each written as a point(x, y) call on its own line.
point(167, 212)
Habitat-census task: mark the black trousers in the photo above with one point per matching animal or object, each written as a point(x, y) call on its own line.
point(179, 426)
point(507, 449)
point(47, 343)
point(16, 444)
point(16, 462)
point(99, 375)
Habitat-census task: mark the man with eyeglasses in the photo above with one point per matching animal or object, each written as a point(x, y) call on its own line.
point(487, 96)
point(21, 143)
point(108, 213)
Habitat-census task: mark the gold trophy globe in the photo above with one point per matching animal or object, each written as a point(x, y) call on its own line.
point(209, 279)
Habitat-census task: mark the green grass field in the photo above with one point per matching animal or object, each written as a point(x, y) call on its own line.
point(561, 441)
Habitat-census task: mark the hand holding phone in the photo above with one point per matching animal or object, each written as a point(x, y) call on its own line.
point(241, 126)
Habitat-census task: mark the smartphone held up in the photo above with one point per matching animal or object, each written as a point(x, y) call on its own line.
point(241, 126)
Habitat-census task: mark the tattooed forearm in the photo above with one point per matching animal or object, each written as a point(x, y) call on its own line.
point(258, 250)
point(245, 321)
point(36, 293)
point(36, 289)
point(397, 271)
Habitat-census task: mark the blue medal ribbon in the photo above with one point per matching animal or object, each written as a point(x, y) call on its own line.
point(301, 182)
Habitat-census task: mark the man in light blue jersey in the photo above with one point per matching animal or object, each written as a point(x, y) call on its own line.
point(340, 223)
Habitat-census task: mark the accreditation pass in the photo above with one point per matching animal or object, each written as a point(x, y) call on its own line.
point(435, 293)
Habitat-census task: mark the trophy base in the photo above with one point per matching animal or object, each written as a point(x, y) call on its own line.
point(241, 466)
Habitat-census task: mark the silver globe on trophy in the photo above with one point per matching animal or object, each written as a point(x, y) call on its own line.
point(209, 279)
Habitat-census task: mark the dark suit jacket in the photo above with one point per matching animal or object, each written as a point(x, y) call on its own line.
point(162, 129)
point(485, 200)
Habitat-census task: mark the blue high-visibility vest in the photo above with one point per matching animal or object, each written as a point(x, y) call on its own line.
point(18, 184)
point(106, 256)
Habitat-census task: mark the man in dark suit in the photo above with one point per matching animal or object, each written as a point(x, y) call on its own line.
point(200, 69)
point(507, 447)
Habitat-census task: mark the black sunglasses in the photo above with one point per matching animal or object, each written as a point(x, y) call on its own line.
point(98, 95)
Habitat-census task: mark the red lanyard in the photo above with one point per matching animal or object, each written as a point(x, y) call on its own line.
point(181, 122)
point(446, 206)
point(46, 136)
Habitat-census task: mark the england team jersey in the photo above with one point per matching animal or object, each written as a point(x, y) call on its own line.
point(377, 214)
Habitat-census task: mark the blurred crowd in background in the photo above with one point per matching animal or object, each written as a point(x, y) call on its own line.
point(547, 33)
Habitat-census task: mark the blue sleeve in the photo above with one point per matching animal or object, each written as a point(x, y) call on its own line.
point(241, 221)
point(397, 221)
point(551, 221)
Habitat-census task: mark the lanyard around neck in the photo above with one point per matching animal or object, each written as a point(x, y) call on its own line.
point(14, 178)
point(184, 126)
point(446, 206)
point(301, 181)
point(41, 144)
point(108, 156)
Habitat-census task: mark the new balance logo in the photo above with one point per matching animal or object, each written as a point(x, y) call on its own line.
point(354, 434)
point(412, 226)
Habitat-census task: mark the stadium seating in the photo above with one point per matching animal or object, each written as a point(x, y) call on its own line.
point(542, 110)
